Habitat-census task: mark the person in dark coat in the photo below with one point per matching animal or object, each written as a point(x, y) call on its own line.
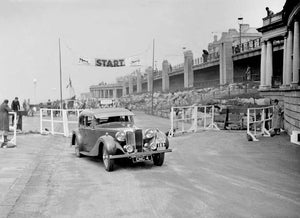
point(15, 106)
point(205, 55)
point(4, 121)
point(277, 117)
point(269, 12)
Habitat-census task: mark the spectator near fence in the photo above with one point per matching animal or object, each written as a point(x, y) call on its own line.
point(277, 118)
point(4, 122)
point(15, 106)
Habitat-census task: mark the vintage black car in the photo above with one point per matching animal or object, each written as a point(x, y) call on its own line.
point(111, 133)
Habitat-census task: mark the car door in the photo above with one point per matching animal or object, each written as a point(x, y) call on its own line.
point(91, 132)
point(82, 131)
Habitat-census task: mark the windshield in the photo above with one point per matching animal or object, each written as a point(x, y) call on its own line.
point(114, 119)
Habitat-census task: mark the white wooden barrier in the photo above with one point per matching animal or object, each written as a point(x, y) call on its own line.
point(205, 117)
point(13, 140)
point(259, 122)
point(183, 119)
point(61, 118)
point(192, 118)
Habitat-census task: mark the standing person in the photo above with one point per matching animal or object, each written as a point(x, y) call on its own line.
point(248, 73)
point(205, 55)
point(4, 121)
point(269, 12)
point(49, 107)
point(15, 106)
point(277, 117)
point(24, 105)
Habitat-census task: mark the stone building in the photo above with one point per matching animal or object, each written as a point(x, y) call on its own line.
point(247, 33)
point(280, 68)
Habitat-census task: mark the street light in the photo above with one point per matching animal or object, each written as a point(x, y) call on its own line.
point(240, 21)
point(152, 91)
point(34, 85)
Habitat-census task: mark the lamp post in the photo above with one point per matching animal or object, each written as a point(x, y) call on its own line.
point(34, 86)
point(60, 75)
point(240, 21)
point(152, 91)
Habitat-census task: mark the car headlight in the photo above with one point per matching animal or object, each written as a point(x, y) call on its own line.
point(129, 148)
point(149, 133)
point(121, 136)
point(153, 146)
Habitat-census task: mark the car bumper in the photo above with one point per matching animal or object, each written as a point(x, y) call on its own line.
point(139, 154)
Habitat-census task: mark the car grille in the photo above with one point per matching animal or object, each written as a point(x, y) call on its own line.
point(135, 138)
point(130, 139)
point(139, 139)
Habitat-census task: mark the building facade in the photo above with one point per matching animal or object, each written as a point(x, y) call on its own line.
point(280, 68)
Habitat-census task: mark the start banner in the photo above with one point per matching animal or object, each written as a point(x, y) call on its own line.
point(101, 62)
point(110, 62)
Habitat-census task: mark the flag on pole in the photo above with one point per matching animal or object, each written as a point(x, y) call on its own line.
point(133, 62)
point(84, 61)
point(71, 89)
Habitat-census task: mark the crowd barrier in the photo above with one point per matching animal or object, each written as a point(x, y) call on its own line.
point(205, 117)
point(259, 122)
point(12, 128)
point(58, 121)
point(191, 118)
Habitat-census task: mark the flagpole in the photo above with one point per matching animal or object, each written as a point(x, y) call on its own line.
point(152, 78)
point(60, 74)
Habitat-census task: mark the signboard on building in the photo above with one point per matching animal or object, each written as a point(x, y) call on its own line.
point(106, 101)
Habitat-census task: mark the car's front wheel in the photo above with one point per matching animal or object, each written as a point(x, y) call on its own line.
point(108, 163)
point(158, 159)
point(77, 149)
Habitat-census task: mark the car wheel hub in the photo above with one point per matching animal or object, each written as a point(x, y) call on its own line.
point(105, 158)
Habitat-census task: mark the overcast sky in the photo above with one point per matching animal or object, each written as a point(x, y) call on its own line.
point(30, 29)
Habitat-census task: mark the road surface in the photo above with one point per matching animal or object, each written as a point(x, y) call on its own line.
point(208, 174)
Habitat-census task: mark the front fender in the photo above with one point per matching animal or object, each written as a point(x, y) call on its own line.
point(107, 141)
point(163, 136)
point(76, 136)
point(110, 144)
point(167, 143)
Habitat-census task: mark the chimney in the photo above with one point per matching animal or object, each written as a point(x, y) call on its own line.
point(215, 38)
point(244, 27)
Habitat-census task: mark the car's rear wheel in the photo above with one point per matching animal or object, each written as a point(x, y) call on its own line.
point(108, 163)
point(77, 149)
point(158, 159)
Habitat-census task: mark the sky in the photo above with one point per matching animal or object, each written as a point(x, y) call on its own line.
point(110, 29)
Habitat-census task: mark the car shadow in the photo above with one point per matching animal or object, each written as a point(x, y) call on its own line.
point(123, 163)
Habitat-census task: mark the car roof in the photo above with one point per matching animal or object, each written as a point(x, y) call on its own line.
point(106, 112)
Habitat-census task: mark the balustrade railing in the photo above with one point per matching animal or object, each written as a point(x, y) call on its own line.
point(176, 67)
point(206, 59)
point(253, 78)
point(272, 19)
point(157, 74)
point(247, 46)
point(278, 42)
point(201, 60)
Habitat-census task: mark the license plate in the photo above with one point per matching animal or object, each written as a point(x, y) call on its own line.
point(139, 159)
point(161, 144)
